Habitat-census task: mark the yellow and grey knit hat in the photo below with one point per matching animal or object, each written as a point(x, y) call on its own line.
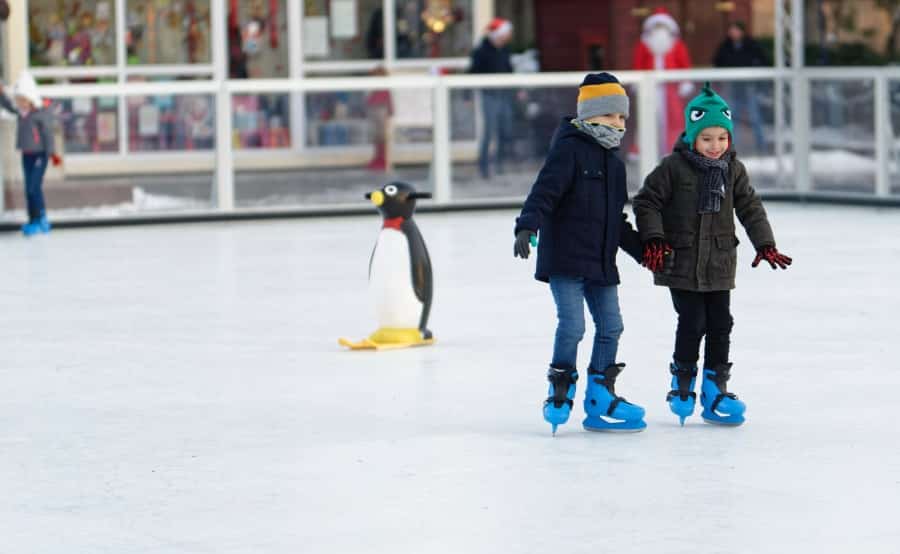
point(601, 94)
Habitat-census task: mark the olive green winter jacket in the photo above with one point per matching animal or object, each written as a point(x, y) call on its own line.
point(705, 246)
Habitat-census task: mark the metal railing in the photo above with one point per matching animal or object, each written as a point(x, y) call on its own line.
point(792, 139)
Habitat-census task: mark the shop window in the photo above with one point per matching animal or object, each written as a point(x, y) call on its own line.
point(434, 28)
point(261, 121)
point(257, 39)
point(342, 30)
point(337, 119)
point(89, 124)
point(184, 122)
point(71, 32)
point(169, 32)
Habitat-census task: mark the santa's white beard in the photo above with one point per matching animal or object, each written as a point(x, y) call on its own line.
point(659, 41)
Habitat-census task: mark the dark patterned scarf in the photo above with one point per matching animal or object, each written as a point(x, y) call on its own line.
point(712, 189)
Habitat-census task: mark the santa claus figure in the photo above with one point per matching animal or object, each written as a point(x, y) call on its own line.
point(661, 47)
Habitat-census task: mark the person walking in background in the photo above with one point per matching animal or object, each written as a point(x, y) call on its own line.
point(380, 108)
point(492, 56)
point(34, 137)
point(740, 50)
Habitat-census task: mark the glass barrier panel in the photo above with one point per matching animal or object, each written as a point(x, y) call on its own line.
point(842, 136)
point(352, 143)
point(261, 121)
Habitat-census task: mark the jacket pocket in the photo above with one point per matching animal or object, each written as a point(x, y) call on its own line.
point(682, 261)
point(723, 259)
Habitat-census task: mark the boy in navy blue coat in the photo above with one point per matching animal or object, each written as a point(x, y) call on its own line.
point(576, 203)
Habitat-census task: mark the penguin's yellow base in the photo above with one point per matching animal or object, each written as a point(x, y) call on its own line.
point(387, 338)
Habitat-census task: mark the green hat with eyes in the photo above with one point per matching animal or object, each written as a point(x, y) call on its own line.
point(708, 109)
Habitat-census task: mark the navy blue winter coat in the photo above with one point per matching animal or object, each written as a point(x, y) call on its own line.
point(576, 203)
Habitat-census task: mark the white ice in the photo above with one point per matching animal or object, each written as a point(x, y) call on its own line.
point(179, 389)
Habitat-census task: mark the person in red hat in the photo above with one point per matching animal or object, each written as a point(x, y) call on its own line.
point(492, 56)
point(661, 47)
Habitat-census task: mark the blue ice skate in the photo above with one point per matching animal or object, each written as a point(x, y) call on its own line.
point(558, 405)
point(43, 224)
point(606, 411)
point(682, 397)
point(31, 228)
point(719, 405)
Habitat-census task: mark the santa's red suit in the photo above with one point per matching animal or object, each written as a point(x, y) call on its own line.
point(662, 48)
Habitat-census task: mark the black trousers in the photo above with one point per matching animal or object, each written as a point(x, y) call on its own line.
point(703, 314)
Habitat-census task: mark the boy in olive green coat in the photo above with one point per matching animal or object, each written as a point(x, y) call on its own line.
point(685, 217)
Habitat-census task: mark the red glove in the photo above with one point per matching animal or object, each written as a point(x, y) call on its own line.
point(775, 258)
point(655, 252)
point(55, 159)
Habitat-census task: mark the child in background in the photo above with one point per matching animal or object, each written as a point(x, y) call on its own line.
point(34, 137)
point(576, 203)
point(685, 217)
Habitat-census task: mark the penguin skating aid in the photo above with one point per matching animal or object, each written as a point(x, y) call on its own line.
point(400, 279)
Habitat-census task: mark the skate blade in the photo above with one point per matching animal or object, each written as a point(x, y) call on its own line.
point(723, 423)
point(599, 425)
point(726, 421)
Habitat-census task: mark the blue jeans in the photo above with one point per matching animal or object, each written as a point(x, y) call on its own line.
point(570, 293)
point(33, 167)
point(497, 111)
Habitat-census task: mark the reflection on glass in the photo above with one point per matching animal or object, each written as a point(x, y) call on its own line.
point(533, 117)
point(842, 137)
point(257, 39)
point(434, 28)
point(89, 124)
point(71, 32)
point(167, 32)
point(337, 119)
point(169, 122)
point(342, 29)
point(261, 121)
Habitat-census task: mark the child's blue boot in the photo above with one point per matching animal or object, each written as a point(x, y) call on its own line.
point(44, 224)
point(605, 410)
point(558, 405)
point(31, 228)
point(682, 397)
point(719, 405)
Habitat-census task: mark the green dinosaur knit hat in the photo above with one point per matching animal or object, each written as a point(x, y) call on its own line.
point(708, 109)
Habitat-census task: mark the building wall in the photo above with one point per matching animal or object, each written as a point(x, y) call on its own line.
point(564, 27)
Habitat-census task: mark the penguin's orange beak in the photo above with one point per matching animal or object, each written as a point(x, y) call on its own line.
point(376, 197)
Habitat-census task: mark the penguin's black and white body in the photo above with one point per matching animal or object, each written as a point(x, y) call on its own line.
point(400, 279)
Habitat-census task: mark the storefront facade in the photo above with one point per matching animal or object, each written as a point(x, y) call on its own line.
point(120, 41)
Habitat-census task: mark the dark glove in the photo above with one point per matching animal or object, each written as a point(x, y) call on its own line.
point(775, 258)
point(655, 252)
point(523, 244)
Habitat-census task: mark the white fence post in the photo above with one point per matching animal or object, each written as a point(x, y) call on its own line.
point(883, 136)
point(800, 104)
point(224, 173)
point(441, 162)
point(648, 124)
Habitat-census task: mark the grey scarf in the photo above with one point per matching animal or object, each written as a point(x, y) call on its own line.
point(712, 189)
point(605, 135)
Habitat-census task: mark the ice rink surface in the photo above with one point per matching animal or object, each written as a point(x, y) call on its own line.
point(179, 389)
